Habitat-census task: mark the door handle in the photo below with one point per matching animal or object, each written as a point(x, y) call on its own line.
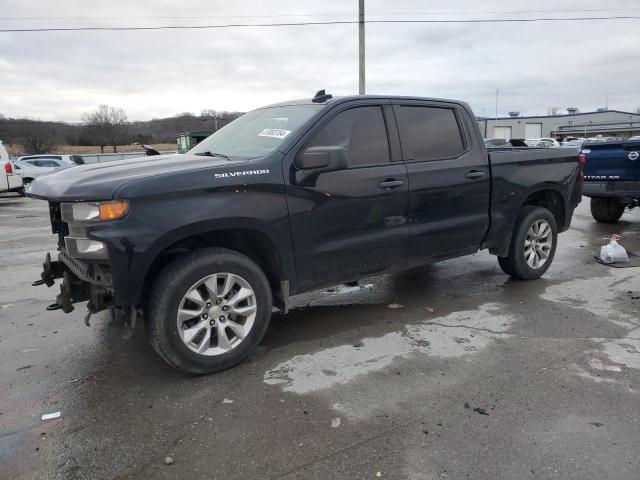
point(474, 174)
point(391, 183)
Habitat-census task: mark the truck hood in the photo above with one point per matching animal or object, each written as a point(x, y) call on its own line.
point(99, 181)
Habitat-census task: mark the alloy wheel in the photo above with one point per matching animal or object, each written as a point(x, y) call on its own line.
point(216, 314)
point(538, 243)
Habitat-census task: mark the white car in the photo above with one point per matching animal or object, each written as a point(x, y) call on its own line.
point(9, 181)
point(573, 142)
point(542, 142)
point(32, 166)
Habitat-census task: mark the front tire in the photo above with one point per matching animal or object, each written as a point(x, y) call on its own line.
point(606, 210)
point(208, 310)
point(533, 244)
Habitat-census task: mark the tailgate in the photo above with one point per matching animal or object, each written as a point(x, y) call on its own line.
point(612, 161)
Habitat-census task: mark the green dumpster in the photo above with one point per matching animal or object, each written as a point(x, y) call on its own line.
point(186, 141)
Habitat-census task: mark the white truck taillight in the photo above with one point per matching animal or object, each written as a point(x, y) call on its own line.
point(8, 168)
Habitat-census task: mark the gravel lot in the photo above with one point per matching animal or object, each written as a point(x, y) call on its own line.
point(472, 375)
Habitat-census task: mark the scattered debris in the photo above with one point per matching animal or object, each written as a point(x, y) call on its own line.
point(379, 474)
point(168, 460)
point(23, 368)
point(481, 411)
point(598, 364)
point(29, 350)
point(429, 309)
point(336, 422)
point(227, 400)
point(466, 405)
point(6, 305)
point(596, 424)
point(425, 431)
point(51, 416)
point(359, 344)
point(395, 305)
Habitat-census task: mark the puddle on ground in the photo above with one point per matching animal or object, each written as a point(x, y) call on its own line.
point(580, 294)
point(454, 335)
point(596, 295)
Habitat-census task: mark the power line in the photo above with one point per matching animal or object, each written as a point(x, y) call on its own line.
point(354, 14)
point(297, 24)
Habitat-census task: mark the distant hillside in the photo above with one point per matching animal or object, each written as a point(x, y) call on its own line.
point(156, 131)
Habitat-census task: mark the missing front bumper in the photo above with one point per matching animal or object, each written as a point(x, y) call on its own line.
point(75, 287)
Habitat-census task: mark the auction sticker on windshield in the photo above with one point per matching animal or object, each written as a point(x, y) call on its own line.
point(274, 132)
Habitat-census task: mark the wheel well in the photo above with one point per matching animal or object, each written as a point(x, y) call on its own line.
point(552, 201)
point(252, 243)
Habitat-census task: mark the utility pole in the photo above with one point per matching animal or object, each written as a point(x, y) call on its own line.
point(361, 89)
point(495, 124)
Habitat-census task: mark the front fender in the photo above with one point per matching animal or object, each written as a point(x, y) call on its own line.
point(153, 225)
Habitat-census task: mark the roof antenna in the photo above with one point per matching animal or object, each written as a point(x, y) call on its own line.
point(321, 96)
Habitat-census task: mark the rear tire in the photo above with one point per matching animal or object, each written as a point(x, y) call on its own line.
point(606, 210)
point(530, 254)
point(215, 346)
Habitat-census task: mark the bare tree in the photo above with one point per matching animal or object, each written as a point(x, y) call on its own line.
point(37, 137)
point(107, 125)
point(553, 111)
point(638, 109)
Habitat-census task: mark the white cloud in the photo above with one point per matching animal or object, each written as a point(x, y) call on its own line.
point(151, 74)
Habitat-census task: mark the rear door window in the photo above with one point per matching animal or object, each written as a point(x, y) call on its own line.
point(46, 163)
point(429, 133)
point(361, 131)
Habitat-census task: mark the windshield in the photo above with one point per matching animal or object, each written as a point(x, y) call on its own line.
point(256, 133)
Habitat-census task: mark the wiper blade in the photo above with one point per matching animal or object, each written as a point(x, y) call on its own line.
point(213, 154)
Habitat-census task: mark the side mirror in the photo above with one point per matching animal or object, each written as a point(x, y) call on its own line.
point(150, 151)
point(322, 159)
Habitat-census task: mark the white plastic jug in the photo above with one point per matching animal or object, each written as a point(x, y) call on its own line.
point(613, 252)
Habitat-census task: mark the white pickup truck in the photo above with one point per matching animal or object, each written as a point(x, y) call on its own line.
point(9, 180)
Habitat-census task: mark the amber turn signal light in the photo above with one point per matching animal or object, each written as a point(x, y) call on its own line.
point(113, 210)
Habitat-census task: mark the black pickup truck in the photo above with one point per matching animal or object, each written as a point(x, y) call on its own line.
point(293, 197)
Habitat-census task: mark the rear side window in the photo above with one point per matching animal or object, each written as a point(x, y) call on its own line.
point(429, 133)
point(77, 160)
point(46, 163)
point(361, 131)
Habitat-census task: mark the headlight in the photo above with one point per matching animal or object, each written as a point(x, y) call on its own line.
point(94, 211)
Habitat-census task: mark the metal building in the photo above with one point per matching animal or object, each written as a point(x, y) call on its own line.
point(607, 123)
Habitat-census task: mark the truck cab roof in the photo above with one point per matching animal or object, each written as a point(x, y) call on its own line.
point(347, 98)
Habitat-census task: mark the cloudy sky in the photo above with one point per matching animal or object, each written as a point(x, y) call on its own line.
point(60, 75)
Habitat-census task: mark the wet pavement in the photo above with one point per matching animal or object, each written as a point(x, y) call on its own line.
point(471, 375)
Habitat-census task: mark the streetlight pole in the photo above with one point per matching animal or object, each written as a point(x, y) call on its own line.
point(361, 57)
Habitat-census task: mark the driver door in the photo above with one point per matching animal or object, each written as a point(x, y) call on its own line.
point(352, 220)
